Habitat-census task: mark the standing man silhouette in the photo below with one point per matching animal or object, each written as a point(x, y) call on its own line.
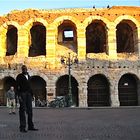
point(25, 99)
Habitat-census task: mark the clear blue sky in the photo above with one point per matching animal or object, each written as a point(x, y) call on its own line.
point(9, 5)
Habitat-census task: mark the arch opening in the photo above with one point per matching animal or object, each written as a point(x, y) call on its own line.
point(96, 37)
point(98, 91)
point(38, 40)
point(67, 35)
point(38, 86)
point(125, 34)
point(62, 88)
point(11, 40)
point(6, 83)
point(127, 89)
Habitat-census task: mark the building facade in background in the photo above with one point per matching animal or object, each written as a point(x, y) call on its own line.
point(106, 42)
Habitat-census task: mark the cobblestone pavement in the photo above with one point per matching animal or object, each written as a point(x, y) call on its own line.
point(75, 124)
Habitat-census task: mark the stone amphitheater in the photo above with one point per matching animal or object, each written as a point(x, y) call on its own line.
point(106, 42)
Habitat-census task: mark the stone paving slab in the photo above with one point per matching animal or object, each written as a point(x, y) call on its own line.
point(75, 124)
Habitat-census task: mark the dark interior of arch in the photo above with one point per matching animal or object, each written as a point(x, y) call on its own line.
point(38, 86)
point(7, 83)
point(98, 91)
point(70, 41)
point(127, 88)
point(125, 41)
point(38, 41)
point(11, 40)
point(96, 37)
point(62, 88)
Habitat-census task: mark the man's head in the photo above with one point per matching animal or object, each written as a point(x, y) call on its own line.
point(12, 88)
point(24, 69)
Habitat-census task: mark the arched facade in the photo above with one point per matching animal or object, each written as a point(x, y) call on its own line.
point(105, 41)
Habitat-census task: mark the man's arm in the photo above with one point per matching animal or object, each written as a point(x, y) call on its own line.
point(18, 80)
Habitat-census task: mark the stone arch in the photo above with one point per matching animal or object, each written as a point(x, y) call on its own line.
point(66, 27)
point(38, 40)
point(27, 27)
point(62, 88)
point(42, 75)
point(131, 26)
point(126, 17)
point(128, 89)
point(97, 27)
point(9, 81)
point(3, 38)
point(98, 91)
point(90, 19)
point(11, 40)
point(77, 78)
point(38, 85)
point(96, 37)
point(60, 20)
point(6, 24)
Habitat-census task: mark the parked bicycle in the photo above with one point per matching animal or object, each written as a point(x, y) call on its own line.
point(58, 101)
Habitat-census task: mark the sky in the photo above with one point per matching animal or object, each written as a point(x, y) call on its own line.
point(8, 5)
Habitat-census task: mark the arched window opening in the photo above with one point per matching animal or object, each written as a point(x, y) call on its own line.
point(125, 37)
point(38, 40)
point(11, 40)
point(96, 40)
point(67, 35)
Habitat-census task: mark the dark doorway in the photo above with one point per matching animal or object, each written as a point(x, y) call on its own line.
point(128, 90)
point(7, 83)
point(125, 37)
point(38, 86)
point(62, 88)
point(38, 40)
point(96, 37)
point(11, 40)
point(98, 91)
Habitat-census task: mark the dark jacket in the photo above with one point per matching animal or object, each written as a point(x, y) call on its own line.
point(23, 84)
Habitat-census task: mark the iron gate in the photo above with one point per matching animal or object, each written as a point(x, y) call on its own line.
point(98, 91)
point(127, 91)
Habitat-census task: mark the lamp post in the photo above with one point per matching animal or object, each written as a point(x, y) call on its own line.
point(69, 62)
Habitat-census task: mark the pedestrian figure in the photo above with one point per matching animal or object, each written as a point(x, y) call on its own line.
point(11, 100)
point(25, 96)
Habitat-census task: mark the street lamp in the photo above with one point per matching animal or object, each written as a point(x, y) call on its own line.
point(69, 61)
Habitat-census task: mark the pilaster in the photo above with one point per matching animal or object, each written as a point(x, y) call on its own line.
point(3, 43)
point(50, 92)
point(51, 44)
point(83, 96)
point(114, 97)
point(81, 39)
point(23, 43)
point(138, 41)
point(112, 47)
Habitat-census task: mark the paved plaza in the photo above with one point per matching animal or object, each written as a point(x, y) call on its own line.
point(75, 124)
